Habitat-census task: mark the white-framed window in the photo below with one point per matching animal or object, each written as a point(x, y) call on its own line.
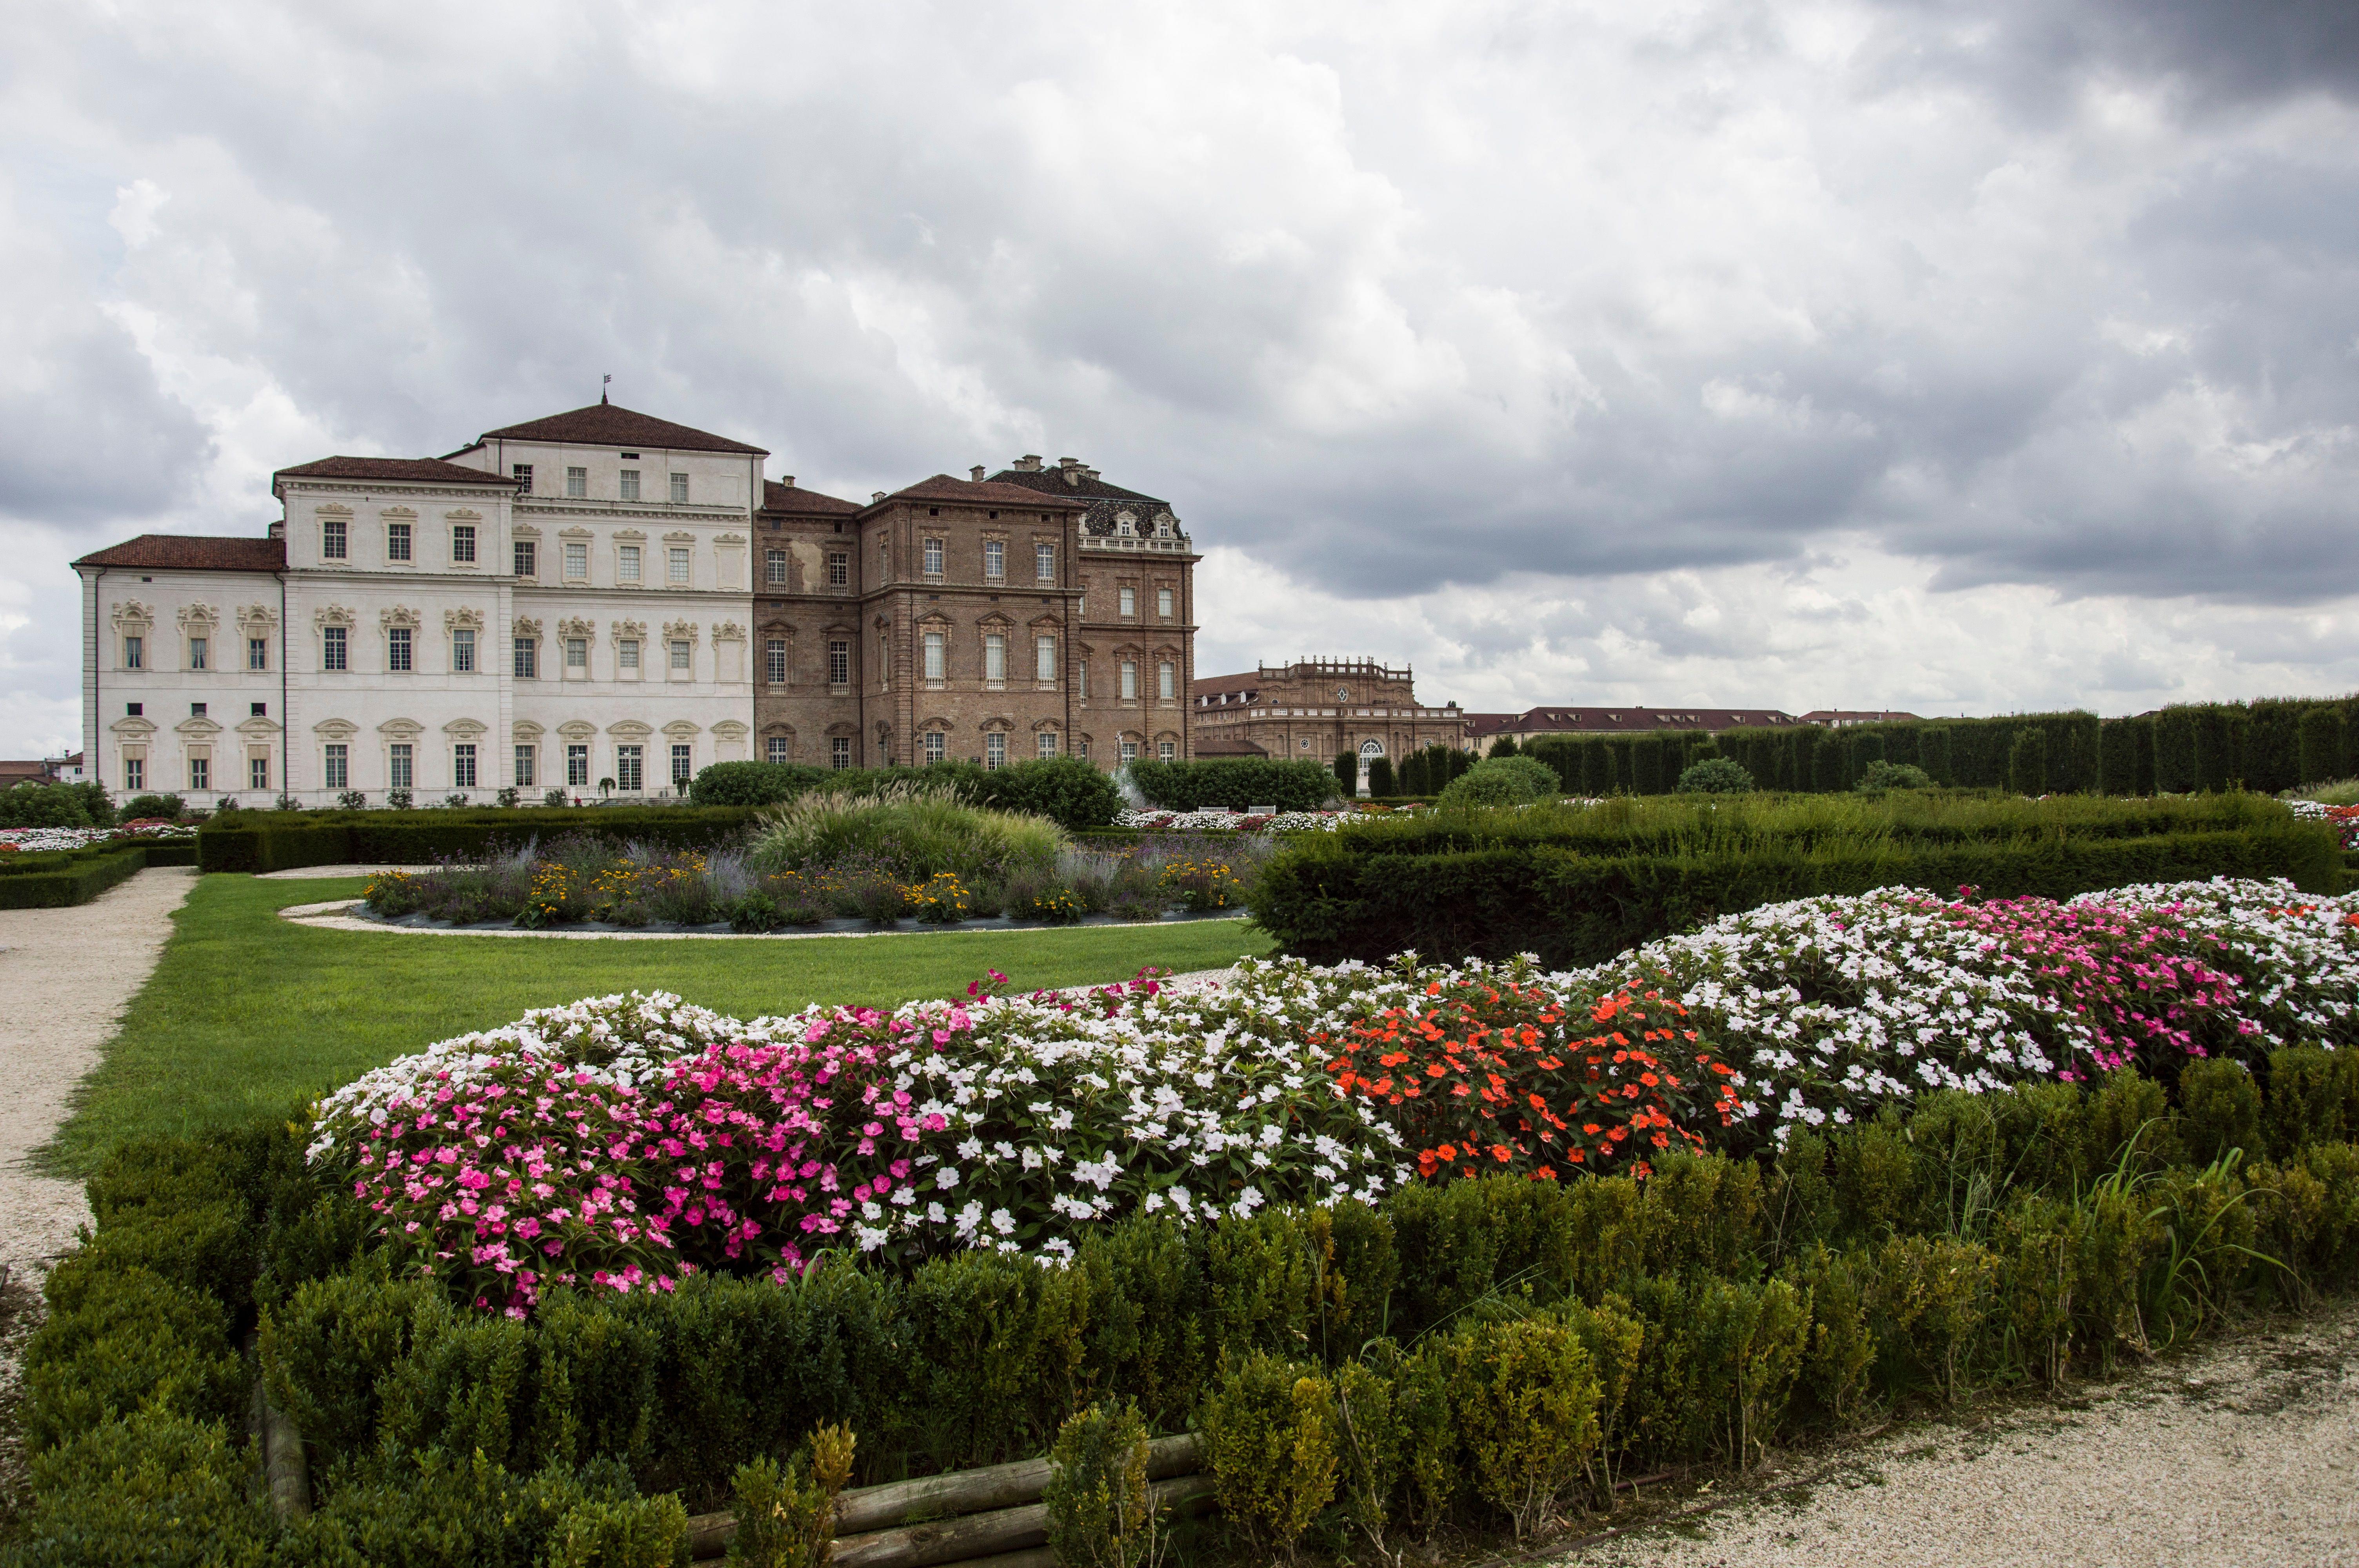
point(396, 541)
point(1166, 750)
point(627, 656)
point(626, 563)
point(528, 558)
point(679, 553)
point(1127, 598)
point(257, 652)
point(839, 661)
point(334, 648)
point(839, 568)
point(577, 654)
point(1167, 680)
point(1044, 562)
point(396, 648)
point(577, 484)
point(1044, 658)
point(527, 659)
point(577, 765)
point(1163, 603)
point(522, 474)
point(135, 652)
point(773, 658)
point(338, 773)
point(401, 765)
point(994, 656)
point(462, 650)
point(937, 745)
point(930, 557)
point(200, 652)
point(1130, 680)
point(682, 765)
point(884, 660)
point(995, 750)
point(630, 484)
point(526, 765)
point(1047, 745)
point(462, 765)
point(1081, 745)
point(679, 487)
point(1082, 681)
point(775, 746)
point(936, 651)
point(257, 770)
point(201, 772)
point(995, 559)
point(463, 544)
point(839, 751)
point(1130, 751)
point(577, 560)
point(333, 539)
point(773, 567)
point(682, 657)
point(630, 774)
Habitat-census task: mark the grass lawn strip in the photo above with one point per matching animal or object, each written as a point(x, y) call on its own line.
point(248, 1013)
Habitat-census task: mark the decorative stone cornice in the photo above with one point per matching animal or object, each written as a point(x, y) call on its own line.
point(198, 616)
point(397, 615)
point(462, 616)
point(331, 615)
point(131, 615)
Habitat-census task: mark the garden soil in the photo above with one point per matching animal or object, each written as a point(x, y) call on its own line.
point(2244, 1451)
point(66, 975)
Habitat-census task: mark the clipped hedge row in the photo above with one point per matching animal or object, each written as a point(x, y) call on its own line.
point(1237, 783)
point(55, 879)
point(283, 840)
point(1071, 792)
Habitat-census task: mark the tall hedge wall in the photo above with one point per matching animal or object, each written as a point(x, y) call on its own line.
point(1238, 782)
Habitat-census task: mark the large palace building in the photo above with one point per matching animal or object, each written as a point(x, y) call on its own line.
point(1318, 709)
point(604, 601)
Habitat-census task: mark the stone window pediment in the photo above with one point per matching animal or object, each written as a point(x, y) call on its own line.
point(779, 728)
point(994, 622)
point(677, 630)
point(636, 629)
point(127, 726)
point(198, 617)
point(528, 628)
point(401, 729)
point(630, 729)
point(575, 532)
point(680, 536)
point(574, 626)
point(681, 728)
point(333, 509)
point(257, 727)
point(728, 631)
point(133, 616)
point(336, 728)
point(463, 515)
point(398, 512)
point(465, 726)
point(577, 730)
point(934, 620)
point(633, 535)
point(196, 726)
point(524, 530)
point(398, 615)
point(463, 617)
point(843, 729)
point(332, 615)
point(779, 629)
point(996, 723)
point(1040, 724)
point(730, 729)
point(257, 619)
point(524, 730)
point(730, 539)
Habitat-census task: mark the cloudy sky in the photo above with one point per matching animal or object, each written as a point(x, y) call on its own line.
point(1961, 359)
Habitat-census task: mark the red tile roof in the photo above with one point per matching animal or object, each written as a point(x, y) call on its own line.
point(404, 471)
point(611, 425)
point(1858, 715)
point(192, 552)
point(794, 500)
point(1555, 720)
point(1226, 746)
point(977, 492)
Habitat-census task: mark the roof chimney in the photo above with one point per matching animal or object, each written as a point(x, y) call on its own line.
point(975, 473)
point(279, 529)
point(1029, 463)
point(786, 481)
point(878, 496)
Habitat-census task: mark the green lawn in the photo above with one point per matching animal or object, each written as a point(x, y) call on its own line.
point(248, 1014)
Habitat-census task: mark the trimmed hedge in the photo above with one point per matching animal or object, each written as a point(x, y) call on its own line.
point(282, 840)
point(1068, 791)
point(1234, 782)
point(1577, 888)
point(62, 877)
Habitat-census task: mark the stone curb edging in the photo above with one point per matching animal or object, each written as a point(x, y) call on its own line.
point(332, 916)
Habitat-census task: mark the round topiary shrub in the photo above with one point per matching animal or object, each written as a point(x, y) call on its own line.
point(1716, 775)
point(1501, 781)
point(1881, 777)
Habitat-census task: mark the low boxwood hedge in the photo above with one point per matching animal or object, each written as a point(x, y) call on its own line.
point(55, 879)
point(283, 840)
point(1235, 782)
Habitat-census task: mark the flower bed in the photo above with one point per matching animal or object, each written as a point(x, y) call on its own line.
point(36, 840)
point(2345, 819)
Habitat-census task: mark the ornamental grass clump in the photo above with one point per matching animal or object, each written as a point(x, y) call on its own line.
point(1270, 1440)
point(1101, 1510)
point(914, 829)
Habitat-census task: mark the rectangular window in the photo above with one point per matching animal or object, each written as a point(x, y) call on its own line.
point(332, 648)
point(774, 660)
point(257, 652)
point(257, 772)
point(197, 652)
point(995, 657)
point(462, 765)
point(934, 651)
point(522, 474)
point(1081, 745)
point(1163, 603)
point(681, 658)
point(995, 559)
point(577, 766)
point(331, 538)
point(839, 751)
point(679, 487)
point(396, 647)
point(577, 654)
point(1166, 750)
point(1130, 680)
point(577, 485)
point(135, 652)
point(135, 773)
point(630, 484)
point(400, 772)
point(201, 772)
point(839, 570)
point(775, 747)
point(463, 544)
point(527, 659)
point(396, 541)
point(524, 765)
point(629, 776)
point(462, 650)
point(577, 560)
point(680, 564)
point(995, 749)
point(932, 557)
point(338, 769)
point(680, 769)
point(258, 710)
point(627, 655)
point(774, 567)
point(1044, 562)
point(1044, 658)
point(937, 745)
point(1127, 599)
point(1082, 681)
point(626, 563)
point(1130, 751)
point(1167, 680)
point(1048, 745)
point(884, 660)
point(196, 710)
point(884, 561)
point(526, 563)
point(839, 661)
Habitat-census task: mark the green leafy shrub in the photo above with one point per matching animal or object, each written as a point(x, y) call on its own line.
point(915, 831)
point(1238, 782)
point(1882, 775)
point(1934, 1293)
point(2219, 1109)
point(1368, 1451)
point(786, 1516)
point(2313, 1098)
point(154, 1488)
point(148, 807)
point(122, 1342)
point(1715, 776)
point(1270, 1437)
point(1527, 1403)
point(1501, 781)
point(36, 805)
point(1100, 1511)
point(756, 784)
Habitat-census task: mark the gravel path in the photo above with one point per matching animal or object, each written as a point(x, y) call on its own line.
point(2244, 1454)
point(66, 976)
point(331, 916)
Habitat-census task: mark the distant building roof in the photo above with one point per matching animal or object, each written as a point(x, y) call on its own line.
point(1215, 745)
point(15, 773)
point(790, 499)
point(1552, 720)
point(192, 552)
point(971, 493)
point(604, 424)
point(1842, 715)
point(1224, 685)
point(406, 471)
point(1072, 479)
